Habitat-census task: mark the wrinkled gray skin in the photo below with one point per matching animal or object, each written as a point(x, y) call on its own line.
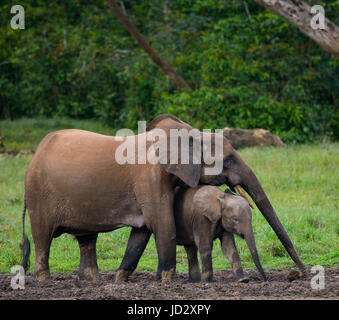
point(74, 185)
point(205, 213)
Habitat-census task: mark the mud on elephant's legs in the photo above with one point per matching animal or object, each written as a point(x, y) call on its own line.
point(166, 247)
point(88, 268)
point(162, 225)
point(230, 251)
point(204, 242)
point(193, 263)
point(42, 237)
point(206, 261)
point(42, 247)
point(41, 272)
point(136, 245)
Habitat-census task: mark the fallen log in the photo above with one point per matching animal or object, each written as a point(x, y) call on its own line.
point(242, 138)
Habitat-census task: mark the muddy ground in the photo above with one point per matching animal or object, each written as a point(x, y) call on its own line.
point(142, 285)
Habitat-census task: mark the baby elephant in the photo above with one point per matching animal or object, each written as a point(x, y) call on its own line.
point(205, 213)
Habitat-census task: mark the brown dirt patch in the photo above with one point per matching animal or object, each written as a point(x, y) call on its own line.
point(142, 285)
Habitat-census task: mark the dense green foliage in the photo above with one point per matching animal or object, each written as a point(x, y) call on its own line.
point(74, 59)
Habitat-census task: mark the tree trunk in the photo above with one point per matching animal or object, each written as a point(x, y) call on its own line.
point(299, 14)
point(165, 67)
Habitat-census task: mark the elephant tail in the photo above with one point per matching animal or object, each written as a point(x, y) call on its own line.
point(25, 246)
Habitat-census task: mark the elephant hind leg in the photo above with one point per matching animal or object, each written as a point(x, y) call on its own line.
point(136, 245)
point(88, 268)
point(42, 241)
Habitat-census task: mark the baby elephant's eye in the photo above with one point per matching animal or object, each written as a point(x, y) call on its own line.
point(235, 220)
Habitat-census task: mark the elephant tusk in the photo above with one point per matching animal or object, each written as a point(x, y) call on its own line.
point(242, 193)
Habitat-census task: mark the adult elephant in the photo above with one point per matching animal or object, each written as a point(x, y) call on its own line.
point(236, 173)
point(75, 184)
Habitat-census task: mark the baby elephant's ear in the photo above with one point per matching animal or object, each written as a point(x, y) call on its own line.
point(213, 212)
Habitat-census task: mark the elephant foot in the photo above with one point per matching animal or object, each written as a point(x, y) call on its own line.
point(196, 277)
point(303, 273)
point(243, 280)
point(89, 274)
point(122, 275)
point(294, 275)
point(166, 276)
point(207, 276)
point(42, 275)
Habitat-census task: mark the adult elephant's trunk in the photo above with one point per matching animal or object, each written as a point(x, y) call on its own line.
point(249, 238)
point(252, 186)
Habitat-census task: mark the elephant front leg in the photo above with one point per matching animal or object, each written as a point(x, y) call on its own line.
point(159, 219)
point(155, 199)
point(230, 251)
point(88, 268)
point(203, 239)
point(136, 245)
point(166, 247)
point(193, 263)
point(206, 261)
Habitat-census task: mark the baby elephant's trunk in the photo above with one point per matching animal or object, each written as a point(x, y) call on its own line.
point(25, 246)
point(253, 249)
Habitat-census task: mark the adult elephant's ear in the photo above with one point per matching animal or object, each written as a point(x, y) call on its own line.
point(188, 173)
point(185, 157)
point(184, 154)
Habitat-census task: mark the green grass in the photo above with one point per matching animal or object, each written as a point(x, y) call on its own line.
point(302, 182)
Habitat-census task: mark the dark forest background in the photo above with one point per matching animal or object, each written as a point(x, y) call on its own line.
point(247, 67)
